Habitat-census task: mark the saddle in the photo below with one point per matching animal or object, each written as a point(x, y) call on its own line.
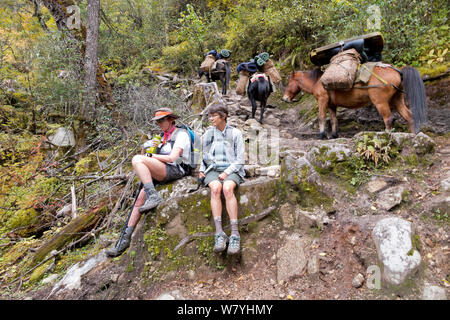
point(214, 66)
point(258, 75)
point(365, 71)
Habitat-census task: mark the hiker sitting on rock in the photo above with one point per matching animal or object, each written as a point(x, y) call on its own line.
point(223, 160)
point(170, 162)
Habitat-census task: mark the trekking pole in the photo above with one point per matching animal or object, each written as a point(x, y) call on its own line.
point(201, 180)
point(141, 185)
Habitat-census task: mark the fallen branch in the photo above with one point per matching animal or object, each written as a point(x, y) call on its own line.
point(246, 220)
point(439, 76)
point(74, 201)
point(114, 177)
point(116, 207)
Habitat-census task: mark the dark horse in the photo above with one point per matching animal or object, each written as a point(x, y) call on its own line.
point(400, 88)
point(221, 72)
point(259, 89)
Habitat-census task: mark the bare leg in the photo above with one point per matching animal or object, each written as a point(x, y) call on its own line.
point(216, 200)
point(230, 199)
point(146, 168)
point(135, 215)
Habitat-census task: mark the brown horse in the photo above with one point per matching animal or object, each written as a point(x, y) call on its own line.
point(403, 87)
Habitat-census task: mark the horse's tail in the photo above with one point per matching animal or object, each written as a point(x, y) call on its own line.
point(415, 96)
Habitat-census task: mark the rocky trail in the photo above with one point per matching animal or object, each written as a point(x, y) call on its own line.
point(321, 240)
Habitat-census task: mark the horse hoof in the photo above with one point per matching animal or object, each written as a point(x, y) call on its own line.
point(322, 136)
point(334, 135)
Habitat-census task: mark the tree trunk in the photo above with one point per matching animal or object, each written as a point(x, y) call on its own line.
point(68, 21)
point(91, 58)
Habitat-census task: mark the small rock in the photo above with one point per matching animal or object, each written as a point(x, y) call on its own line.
point(66, 210)
point(358, 280)
point(174, 295)
point(286, 215)
point(50, 279)
point(445, 185)
point(391, 197)
point(313, 265)
point(114, 277)
point(434, 293)
point(376, 185)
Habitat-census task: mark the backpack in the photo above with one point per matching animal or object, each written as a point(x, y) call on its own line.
point(194, 153)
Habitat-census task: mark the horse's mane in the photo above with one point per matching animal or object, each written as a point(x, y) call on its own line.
point(314, 74)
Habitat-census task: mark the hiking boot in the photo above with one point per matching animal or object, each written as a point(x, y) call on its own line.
point(122, 245)
point(234, 245)
point(152, 201)
point(220, 242)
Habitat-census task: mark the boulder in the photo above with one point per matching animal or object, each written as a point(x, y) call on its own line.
point(392, 237)
point(63, 137)
point(72, 279)
point(391, 197)
point(292, 258)
point(326, 153)
point(417, 143)
point(423, 144)
point(307, 219)
point(298, 169)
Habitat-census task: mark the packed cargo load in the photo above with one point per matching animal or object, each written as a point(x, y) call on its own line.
point(341, 73)
point(369, 46)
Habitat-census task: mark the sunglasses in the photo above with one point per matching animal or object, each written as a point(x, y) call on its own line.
point(161, 120)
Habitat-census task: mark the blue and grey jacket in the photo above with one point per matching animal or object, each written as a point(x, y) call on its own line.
point(226, 148)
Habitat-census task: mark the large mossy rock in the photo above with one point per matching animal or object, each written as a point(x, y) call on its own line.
point(182, 214)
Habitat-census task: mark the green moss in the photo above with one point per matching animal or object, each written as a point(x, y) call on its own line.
point(411, 160)
point(90, 163)
point(39, 272)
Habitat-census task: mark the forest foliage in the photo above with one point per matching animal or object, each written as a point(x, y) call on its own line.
point(41, 81)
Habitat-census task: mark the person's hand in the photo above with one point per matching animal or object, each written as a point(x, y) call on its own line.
point(201, 175)
point(156, 143)
point(222, 176)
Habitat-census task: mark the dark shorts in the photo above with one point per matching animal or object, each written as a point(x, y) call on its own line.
point(172, 173)
point(214, 175)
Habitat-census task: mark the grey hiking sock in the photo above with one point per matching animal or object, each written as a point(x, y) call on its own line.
point(149, 187)
point(129, 231)
point(234, 227)
point(218, 223)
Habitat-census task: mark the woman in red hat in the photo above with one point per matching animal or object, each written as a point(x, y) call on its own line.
point(167, 164)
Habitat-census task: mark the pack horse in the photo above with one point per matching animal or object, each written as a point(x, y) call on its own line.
point(388, 89)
